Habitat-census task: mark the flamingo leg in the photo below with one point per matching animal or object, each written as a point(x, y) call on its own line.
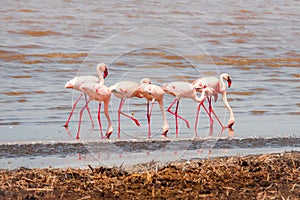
point(71, 113)
point(126, 115)
point(99, 120)
point(210, 111)
point(213, 112)
point(89, 112)
point(180, 117)
point(132, 118)
point(176, 118)
point(119, 116)
point(197, 116)
point(109, 129)
point(148, 118)
point(80, 118)
point(149, 112)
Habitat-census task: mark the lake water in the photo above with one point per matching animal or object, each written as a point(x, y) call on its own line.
point(45, 45)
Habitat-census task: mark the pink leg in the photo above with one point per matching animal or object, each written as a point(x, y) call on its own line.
point(99, 120)
point(213, 112)
point(176, 118)
point(126, 115)
point(119, 116)
point(89, 112)
point(180, 117)
point(210, 111)
point(80, 118)
point(149, 111)
point(197, 116)
point(71, 113)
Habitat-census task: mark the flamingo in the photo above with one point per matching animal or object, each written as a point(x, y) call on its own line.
point(219, 86)
point(124, 90)
point(182, 90)
point(154, 93)
point(78, 81)
point(101, 93)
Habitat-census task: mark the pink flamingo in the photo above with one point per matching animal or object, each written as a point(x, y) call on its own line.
point(219, 86)
point(124, 90)
point(154, 93)
point(78, 81)
point(181, 90)
point(101, 93)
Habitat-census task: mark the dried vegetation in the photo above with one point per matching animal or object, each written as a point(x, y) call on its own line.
point(268, 176)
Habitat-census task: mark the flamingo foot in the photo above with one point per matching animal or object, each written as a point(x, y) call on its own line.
point(136, 122)
point(66, 125)
point(77, 137)
point(230, 124)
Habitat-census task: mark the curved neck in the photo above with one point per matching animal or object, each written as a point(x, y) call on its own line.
point(99, 72)
point(222, 83)
point(202, 97)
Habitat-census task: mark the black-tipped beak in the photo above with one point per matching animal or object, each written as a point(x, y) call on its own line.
point(229, 82)
point(105, 73)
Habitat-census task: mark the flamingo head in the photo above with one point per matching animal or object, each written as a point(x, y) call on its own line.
point(103, 68)
point(71, 83)
point(145, 81)
point(227, 78)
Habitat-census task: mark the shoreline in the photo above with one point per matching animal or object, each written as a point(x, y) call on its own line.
point(274, 175)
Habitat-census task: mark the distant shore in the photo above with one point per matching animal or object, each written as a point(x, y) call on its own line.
point(263, 176)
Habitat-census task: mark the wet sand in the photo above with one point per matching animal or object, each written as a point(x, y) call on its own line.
point(267, 176)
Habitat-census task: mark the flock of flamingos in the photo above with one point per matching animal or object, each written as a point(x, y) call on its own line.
point(95, 89)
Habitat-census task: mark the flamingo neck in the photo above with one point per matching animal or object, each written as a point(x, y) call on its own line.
point(205, 92)
point(222, 83)
point(231, 116)
point(165, 122)
point(101, 79)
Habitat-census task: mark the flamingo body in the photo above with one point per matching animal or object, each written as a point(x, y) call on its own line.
point(101, 93)
point(154, 93)
point(76, 84)
point(124, 90)
point(180, 90)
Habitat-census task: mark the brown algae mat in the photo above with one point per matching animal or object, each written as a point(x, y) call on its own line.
point(267, 176)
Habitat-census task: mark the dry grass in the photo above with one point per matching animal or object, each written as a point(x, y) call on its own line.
point(269, 176)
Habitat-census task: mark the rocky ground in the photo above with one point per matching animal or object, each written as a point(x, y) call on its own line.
point(268, 176)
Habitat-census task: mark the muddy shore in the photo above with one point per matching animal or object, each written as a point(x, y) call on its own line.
point(267, 176)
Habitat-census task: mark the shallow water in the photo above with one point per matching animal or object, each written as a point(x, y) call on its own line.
point(43, 46)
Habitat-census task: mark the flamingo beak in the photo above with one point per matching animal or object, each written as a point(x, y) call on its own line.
point(105, 73)
point(229, 82)
point(68, 85)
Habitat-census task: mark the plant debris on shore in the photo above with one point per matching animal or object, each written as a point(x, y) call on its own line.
point(267, 176)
